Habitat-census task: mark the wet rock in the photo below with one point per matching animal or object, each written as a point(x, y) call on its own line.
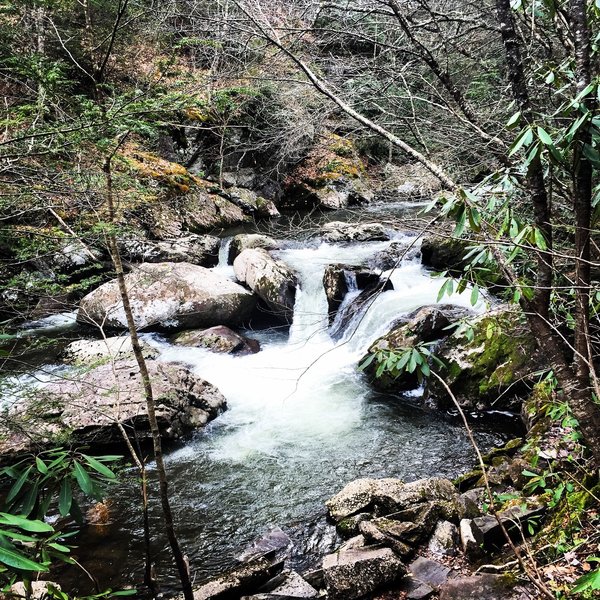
point(288, 584)
point(86, 409)
point(426, 324)
point(491, 370)
point(70, 255)
point(445, 539)
point(482, 587)
point(374, 534)
point(338, 232)
point(339, 279)
point(244, 178)
point(394, 254)
point(217, 339)
point(272, 281)
point(444, 253)
point(169, 296)
point(275, 543)
point(349, 525)
point(389, 495)
point(88, 352)
point(244, 579)
point(245, 241)
point(251, 203)
point(195, 249)
point(355, 573)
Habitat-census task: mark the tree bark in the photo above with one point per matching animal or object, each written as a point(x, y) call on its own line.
point(180, 560)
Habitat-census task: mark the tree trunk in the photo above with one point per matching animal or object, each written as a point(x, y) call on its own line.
point(180, 560)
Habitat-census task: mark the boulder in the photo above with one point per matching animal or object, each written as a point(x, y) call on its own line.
point(218, 339)
point(491, 369)
point(287, 584)
point(389, 495)
point(338, 232)
point(251, 203)
point(195, 249)
point(444, 253)
point(169, 296)
point(87, 408)
point(445, 539)
point(245, 241)
point(355, 573)
point(483, 587)
point(244, 579)
point(394, 254)
point(89, 352)
point(426, 324)
point(339, 279)
point(40, 590)
point(409, 181)
point(274, 543)
point(272, 281)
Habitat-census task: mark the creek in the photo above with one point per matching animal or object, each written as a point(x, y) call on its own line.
point(301, 423)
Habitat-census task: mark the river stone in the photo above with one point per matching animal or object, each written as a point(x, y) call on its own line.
point(444, 539)
point(288, 584)
point(244, 579)
point(355, 573)
point(272, 281)
point(483, 587)
point(245, 241)
point(89, 352)
point(394, 254)
point(338, 231)
point(274, 543)
point(169, 296)
point(251, 203)
point(444, 253)
point(491, 370)
point(196, 249)
point(40, 590)
point(389, 495)
point(87, 408)
point(218, 339)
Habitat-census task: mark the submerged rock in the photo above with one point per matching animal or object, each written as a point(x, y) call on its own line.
point(88, 352)
point(86, 409)
point(169, 296)
point(355, 573)
point(272, 281)
point(218, 339)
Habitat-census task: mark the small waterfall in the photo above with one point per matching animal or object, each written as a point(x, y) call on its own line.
point(223, 267)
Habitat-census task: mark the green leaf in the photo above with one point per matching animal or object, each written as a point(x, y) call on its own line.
point(16, 560)
point(25, 524)
point(13, 535)
point(523, 140)
point(124, 593)
point(589, 581)
point(540, 242)
point(83, 479)
point(544, 136)
point(474, 295)
point(30, 499)
point(550, 78)
point(41, 465)
point(65, 497)
point(514, 120)
point(16, 488)
point(99, 467)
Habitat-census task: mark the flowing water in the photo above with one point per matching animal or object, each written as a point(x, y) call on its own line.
point(301, 423)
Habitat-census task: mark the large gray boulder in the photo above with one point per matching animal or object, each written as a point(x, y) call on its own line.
point(355, 573)
point(196, 249)
point(219, 339)
point(89, 352)
point(245, 241)
point(87, 407)
point(271, 280)
point(389, 495)
point(169, 296)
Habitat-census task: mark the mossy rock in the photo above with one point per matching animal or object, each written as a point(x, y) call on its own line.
point(492, 369)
